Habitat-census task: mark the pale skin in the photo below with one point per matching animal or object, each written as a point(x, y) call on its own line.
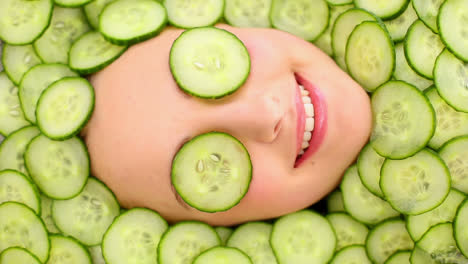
point(141, 119)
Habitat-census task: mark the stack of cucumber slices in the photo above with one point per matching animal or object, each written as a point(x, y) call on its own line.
point(403, 201)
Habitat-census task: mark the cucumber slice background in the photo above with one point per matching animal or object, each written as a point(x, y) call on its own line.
point(452, 21)
point(455, 153)
point(348, 231)
point(401, 257)
point(428, 11)
point(67, 250)
point(222, 255)
point(17, 60)
point(248, 13)
point(16, 255)
point(385, 10)
point(13, 147)
point(353, 254)
point(195, 13)
point(460, 228)
point(398, 26)
point(11, 114)
point(404, 72)
point(15, 187)
point(369, 164)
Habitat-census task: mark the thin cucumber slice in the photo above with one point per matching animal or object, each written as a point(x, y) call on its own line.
point(439, 243)
point(452, 21)
point(194, 13)
point(455, 155)
point(17, 60)
point(386, 9)
point(11, 115)
point(126, 22)
point(65, 107)
point(64, 250)
point(87, 216)
point(224, 233)
point(222, 255)
point(344, 25)
point(59, 168)
point(13, 147)
point(91, 53)
point(401, 257)
point(23, 21)
point(422, 46)
point(348, 231)
point(46, 215)
point(250, 13)
point(96, 255)
point(417, 225)
point(404, 120)
point(71, 3)
point(15, 187)
point(460, 228)
point(335, 202)
point(362, 204)
point(339, 2)
point(306, 19)
point(17, 255)
point(21, 227)
point(386, 238)
point(94, 9)
point(133, 237)
point(212, 172)
point(369, 164)
point(184, 241)
point(253, 238)
point(451, 80)
point(417, 184)
point(370, 55)
point(428, 11)
point(404, 72)
point(66, 26)
point(450, 122)
point(35, 81)
point(209, 62)
point(303, 237)
point(419, 256)
point(324, 42)
point(351, 254)
point(398, 26)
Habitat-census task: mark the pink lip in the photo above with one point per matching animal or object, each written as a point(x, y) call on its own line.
point(320, 129)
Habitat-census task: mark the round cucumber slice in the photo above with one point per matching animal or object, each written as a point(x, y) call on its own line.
point(452, 21)
point(71, 3)
point(15, 187)
point(455, 155)
point(242, 13)
point(369, 164)
point(209, 62)
point(11, 115)
point(460, 228)
point(212, 172)
point(67, 250)
point(13, 147)
point(383, 9)
point(222, 255)
point(351, 254)
point(17, 60)
point(194, 13)
point(428, 11)
point(401, 257)
point(17, 255)
point(94, 9)
point(348, 230)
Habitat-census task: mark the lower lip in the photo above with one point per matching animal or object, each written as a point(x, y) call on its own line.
point(320, 109)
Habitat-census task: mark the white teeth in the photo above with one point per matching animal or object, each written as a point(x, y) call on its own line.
point(305, 144)
point(309, 110)
point(309, 124)
point(302, 152)
point(307, 136)
point(306, 100)
point(304, 92)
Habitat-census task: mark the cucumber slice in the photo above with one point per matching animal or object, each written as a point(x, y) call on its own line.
point(385, 10)
point(21, 227)
point(212, 172)
point(194, 13)
point(348, 231)
point(451, 80)
point(460, 229)
point(128, 22)
point(23, 21)
point(422, 46)
point(87, 216)
point(455, 155)
point(419, 256)
point(339, 2)
point(248, 13)
point(351, 254)
point(401, 257)
point(11, 115)
point(35, 81)
point(306, 19)
point(209, 62)
point(67, 250)
point(404, 72)
point(369, 164)
point(222, 255)
point(71, 3)
point(96, 255)
point(335, 202)
point(65, 107)
point(417, 184)
point(370, 55)
point(15, 187)
point(362, 204)
point(253, 238)
point(224, 233)
point(398, 26)
point(94, 9)
point(17, 60)
point(13, 147)
point(46, 215)
point(133, 237)
point(417, 225)
point(59, 168)
point(66, 26)
point(450, 122)
point(303, 237)
point(184, 241)
point(452, 21)
point(404, 120)
point(439, 243)
point(17, 255)
point(91, 53)
point(428, 11)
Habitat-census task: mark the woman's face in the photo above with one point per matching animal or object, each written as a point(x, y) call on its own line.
point(142, 118)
